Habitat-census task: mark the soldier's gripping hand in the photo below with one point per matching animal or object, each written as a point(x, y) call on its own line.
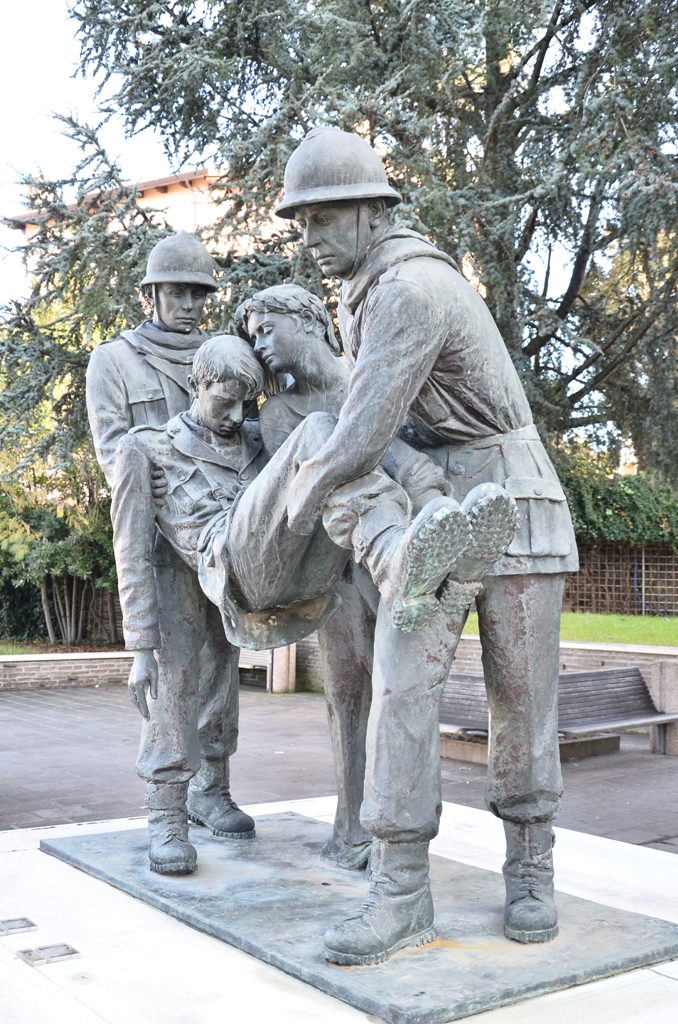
point(143, 675)
point(158, 484)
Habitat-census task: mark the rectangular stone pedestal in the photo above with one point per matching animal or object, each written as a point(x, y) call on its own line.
point(274, 896)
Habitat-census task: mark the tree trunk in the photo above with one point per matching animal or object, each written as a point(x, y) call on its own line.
point(58, 608)
point(74, 609)
point(68, 638)
point(47, 613)
point(81, 615)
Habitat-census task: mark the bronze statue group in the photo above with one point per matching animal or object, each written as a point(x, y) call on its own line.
point(371, 501)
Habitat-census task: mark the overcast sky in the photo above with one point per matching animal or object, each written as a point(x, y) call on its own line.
point(39, 57)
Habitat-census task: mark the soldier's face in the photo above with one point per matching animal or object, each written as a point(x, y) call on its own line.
point(222, 406)
point(332, 231)
point(277, 339)
point(179, 306)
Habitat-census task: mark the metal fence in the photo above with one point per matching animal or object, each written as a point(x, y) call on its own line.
point(626, 580)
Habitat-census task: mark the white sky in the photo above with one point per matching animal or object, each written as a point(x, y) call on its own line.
point(39, 57)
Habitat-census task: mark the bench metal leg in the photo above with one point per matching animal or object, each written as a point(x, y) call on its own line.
point(659, 739)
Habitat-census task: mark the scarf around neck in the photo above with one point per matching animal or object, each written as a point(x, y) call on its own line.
point(173, 347)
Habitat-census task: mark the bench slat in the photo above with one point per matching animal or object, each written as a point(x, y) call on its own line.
point(588, 701)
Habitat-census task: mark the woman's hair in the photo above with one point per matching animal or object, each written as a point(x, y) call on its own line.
point(291, 300)
point(227, 357)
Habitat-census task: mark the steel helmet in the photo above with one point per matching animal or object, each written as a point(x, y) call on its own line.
point(180, 259)
point(330, 165)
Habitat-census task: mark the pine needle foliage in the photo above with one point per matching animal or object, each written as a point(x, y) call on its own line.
point(90, 243)
point(535, 141)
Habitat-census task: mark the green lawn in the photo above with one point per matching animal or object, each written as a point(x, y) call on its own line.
point(611, 629)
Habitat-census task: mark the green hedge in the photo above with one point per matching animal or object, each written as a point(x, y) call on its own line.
point(615, 509)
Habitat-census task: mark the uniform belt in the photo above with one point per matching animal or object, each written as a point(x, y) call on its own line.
point(529, 433)
point(518, 484)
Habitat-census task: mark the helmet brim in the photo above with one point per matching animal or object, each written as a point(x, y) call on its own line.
point(334, 194)
point(180, 277)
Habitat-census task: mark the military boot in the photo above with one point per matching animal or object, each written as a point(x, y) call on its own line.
point(398, 911)
point(530, 913)
point(210, 803)
point(409, 564)
point(170, 851)
point(493, 518)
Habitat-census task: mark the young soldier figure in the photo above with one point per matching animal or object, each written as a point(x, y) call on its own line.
point(429, 363)
point(224, 513)
point(142, 378)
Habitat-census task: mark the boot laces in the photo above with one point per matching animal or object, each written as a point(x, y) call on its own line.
point(374, 897)
point(173, 825)
point(531, 873)
point(225, 794)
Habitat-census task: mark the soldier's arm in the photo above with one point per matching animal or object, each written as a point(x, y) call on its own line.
point(401, 340)
point(133, 515)
point(110, 416)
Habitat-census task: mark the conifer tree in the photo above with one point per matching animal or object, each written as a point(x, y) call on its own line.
point(535, 141)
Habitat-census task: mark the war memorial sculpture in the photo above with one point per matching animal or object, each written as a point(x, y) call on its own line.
point(407, 477)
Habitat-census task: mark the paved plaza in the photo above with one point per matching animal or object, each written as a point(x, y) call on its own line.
point(68, 756)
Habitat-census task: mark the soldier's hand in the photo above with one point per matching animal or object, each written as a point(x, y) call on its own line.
point(143, 676)
point(158, 484)
point(422, 474)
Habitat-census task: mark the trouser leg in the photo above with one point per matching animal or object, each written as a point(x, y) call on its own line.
point(519, 622)
point(209, 796)
point(170, 750)
point(402, 802)
point(219, 694)
point(346, 646)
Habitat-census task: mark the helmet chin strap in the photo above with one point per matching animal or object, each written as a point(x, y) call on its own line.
point(156, 308)
point(361, 223)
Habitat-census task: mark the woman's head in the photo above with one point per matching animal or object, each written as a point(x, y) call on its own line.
point(279, 321)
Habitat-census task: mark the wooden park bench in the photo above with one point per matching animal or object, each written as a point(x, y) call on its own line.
point(599, 701)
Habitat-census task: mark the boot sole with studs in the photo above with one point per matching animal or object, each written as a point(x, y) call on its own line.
point(494, 520)
point(433, 549)
point(542, 935)
point(187, 868)
point(249, 834)
point(357, 960)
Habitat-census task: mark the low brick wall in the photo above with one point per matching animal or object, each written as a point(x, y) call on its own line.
point(48, 671)
point(43, 671)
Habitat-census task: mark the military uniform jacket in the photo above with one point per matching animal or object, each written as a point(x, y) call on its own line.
point(129, 386)
point(203, 485)
point(430, 364)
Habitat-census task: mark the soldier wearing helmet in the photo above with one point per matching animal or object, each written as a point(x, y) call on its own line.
point(430, 366)
point(190, 730)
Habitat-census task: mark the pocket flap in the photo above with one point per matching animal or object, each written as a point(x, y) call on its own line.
point(152, 393)
point(535, 487)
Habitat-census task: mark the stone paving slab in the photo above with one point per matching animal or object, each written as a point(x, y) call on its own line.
point(274, 896)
